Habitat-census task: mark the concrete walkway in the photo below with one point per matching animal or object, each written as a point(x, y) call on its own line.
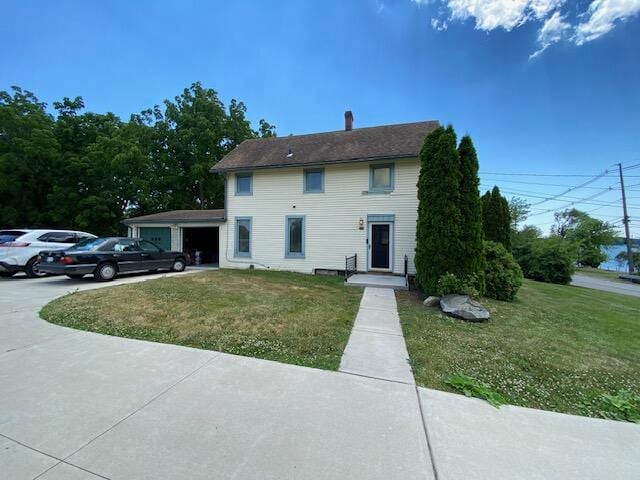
point(596, 283)
point(376, 346)
point(78, 405)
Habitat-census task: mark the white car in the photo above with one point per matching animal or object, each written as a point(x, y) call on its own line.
point(19, 248)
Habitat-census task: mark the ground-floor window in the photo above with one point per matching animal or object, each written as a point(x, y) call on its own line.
point(294, 237)
point(243, 237)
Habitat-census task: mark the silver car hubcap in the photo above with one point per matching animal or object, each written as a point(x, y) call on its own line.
point(178, 266)
point(108, 271)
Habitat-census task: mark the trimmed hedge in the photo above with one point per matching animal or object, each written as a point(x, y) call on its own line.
point(502, 274)
point(548, 260)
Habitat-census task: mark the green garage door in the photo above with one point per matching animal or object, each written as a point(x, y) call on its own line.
point(161, 236)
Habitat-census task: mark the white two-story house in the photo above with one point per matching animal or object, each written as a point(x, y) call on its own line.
point(307, 202)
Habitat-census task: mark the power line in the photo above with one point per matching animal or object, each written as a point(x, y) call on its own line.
point(543, 184)
point(526, 193)
point(570, 189)
point(586, 199)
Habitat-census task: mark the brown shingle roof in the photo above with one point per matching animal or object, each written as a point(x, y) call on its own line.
point(179, 216)
point(360, 144)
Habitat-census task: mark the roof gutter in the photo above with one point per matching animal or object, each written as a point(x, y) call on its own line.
point(215, 169)
point(129, 221)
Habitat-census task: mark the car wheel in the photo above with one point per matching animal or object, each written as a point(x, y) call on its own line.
point(31, 269)
point(75, 276)
point(7, 274)
point(106, 272)
point(178, 265)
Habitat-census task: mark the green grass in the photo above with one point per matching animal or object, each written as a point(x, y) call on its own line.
point(556, 347)
point(282, 316)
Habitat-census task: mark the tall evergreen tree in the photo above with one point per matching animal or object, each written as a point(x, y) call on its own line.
point(470, 208)
point(438, 234)
point(505, 222)
point(496, 219)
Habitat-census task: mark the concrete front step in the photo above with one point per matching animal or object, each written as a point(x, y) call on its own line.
point(371, 280)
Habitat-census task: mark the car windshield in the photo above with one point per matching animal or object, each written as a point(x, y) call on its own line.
point(88, 244)
point(10, 235)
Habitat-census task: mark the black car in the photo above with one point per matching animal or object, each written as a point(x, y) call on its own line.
point(104, 258)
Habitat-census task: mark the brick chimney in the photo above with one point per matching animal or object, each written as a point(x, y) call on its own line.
point(348, 121)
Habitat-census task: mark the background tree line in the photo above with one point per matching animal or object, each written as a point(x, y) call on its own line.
point(88, 171)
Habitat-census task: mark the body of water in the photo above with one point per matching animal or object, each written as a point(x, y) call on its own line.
point(611, 263)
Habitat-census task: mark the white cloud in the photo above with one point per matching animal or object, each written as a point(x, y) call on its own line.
point(506, 14)
point(553, 30)
point(439, 25)
point(603, 15)
point(600, 17)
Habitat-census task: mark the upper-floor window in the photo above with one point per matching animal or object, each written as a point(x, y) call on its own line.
point(243, 237)
point(244, 183)
point(314, 180)
point(294, 237)
point(381, 178)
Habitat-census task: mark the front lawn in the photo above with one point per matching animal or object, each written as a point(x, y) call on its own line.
point(287, 317)
point(555, 348)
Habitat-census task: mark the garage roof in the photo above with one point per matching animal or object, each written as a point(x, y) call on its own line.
point(177, 216)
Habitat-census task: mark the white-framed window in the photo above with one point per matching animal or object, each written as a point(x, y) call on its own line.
point(294, 236)
point(242, 241)
point(313, 180)
point(244, 184)
point(381, 177)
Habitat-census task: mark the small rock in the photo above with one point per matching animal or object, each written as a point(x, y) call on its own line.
point(431, 301)
point(461, 306)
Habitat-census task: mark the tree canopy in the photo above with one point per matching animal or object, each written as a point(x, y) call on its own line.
point(586, 234)
point(85, 170)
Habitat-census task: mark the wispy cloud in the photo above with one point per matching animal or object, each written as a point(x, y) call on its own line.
point(599, 18)
point(603, 16)
point(553, 30)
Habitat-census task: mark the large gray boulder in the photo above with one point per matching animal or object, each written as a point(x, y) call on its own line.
point(431, 301)
point(461, 306)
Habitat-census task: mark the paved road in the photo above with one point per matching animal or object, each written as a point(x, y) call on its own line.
point(597, 283)
point(78, 405)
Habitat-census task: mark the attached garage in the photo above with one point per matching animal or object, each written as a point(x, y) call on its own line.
point(161, 236)
point(194, 232)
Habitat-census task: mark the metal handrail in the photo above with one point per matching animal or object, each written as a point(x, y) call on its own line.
point(406, 270)
point(350, 266)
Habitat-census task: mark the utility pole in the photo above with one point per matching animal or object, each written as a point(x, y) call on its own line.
point(625, 220)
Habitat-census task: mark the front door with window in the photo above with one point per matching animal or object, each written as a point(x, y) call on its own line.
point(380, 242)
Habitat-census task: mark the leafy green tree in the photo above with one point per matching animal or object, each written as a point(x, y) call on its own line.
point(587, 235)
point(518, 211)
point(439, 247)
point(470, 210)
point(87, 170)
point(29, 155)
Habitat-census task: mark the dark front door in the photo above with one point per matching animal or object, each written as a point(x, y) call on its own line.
point(380, 245)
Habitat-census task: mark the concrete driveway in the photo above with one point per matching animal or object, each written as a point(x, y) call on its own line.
point(78, 405)
point(596, 283)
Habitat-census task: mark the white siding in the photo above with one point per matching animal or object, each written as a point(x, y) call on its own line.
point(332, 218)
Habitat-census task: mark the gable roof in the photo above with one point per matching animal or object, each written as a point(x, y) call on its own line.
point(174, 216)
point(360, 144)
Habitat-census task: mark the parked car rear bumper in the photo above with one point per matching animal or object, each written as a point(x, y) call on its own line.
point(57, 269)
point(7, 267)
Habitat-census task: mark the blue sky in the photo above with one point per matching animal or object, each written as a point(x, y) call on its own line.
point(574, 108)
